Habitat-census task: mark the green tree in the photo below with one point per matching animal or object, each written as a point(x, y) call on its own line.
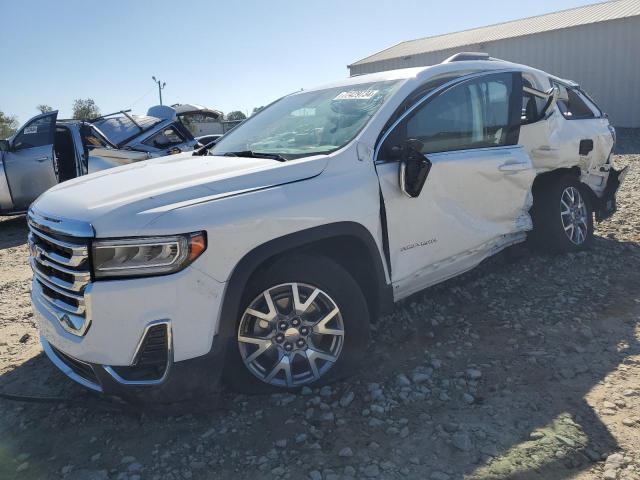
point(44, 108)
point(235, 115)
point(85, 109)
point(8, 125)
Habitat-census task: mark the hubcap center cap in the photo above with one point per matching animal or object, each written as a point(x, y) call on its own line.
point(291, 334)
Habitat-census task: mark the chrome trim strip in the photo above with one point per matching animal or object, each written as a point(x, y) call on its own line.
point(78, 255)
point(64, 226)
point(74, 324)
point(76, 286)
point(431, 93)
point(48, 283)
point(76, 249)
point(142, 383)
point(58, 265)
point(64, 368)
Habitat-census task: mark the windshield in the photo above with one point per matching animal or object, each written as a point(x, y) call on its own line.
point(307, 123)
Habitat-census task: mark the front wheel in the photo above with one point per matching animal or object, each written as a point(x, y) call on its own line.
point(562, 215)
point(304, 321)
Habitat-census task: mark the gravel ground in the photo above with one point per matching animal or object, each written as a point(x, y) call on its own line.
point(526, 367)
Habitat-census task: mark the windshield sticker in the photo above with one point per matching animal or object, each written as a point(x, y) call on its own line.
point(357, 95)
point(30, 129)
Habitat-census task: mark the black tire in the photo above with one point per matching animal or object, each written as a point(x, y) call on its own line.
point(338, 284)
point(549, 232)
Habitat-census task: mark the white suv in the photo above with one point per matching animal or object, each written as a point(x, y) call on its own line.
point(264, 260)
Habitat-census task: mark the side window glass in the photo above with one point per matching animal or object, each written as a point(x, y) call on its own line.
point(474, 114)
point(37, 133)
point(573, 107)
point(532, 105)
point(165, 138)
point(91, 138)
point(588, 100)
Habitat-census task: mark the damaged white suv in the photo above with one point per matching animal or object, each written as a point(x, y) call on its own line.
point(264, 260)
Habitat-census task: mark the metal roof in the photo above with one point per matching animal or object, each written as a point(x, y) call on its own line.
point(599, 12)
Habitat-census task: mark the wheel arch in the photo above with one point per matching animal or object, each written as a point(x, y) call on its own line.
point(574, 171)
point(348, 243)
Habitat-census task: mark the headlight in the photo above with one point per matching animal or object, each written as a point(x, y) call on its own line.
point(136, 257)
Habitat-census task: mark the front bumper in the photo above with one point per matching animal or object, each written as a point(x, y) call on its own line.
point(117, 334)
point(188, 380)
point(119, 311)
point(122, 313)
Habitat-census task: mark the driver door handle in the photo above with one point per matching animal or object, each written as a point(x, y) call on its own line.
point(513, 167)
point(42, 159)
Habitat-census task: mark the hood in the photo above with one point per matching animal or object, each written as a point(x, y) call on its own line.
point(120, 201)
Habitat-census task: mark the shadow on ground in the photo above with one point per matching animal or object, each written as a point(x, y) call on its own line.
point(543, 330)
point(13, 232)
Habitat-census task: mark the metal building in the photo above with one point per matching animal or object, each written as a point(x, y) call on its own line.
point(597, 46)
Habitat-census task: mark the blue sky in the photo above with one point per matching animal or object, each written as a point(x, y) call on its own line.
point(229, 55)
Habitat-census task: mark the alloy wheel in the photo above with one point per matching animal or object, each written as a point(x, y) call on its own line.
point(574, 215)
point(291, 334)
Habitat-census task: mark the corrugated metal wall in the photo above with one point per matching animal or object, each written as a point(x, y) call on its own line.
point(602, 57)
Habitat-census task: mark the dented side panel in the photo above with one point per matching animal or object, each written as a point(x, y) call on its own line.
point(474, 203)
point(554, 143)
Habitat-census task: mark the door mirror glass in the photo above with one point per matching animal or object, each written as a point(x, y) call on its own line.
point(5, 146)
point(414, 167)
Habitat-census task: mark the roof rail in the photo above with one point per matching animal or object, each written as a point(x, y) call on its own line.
point(463, 56)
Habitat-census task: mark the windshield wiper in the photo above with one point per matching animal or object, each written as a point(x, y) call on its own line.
point(252, 154)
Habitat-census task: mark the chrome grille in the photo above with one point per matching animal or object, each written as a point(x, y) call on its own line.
point(60, 264)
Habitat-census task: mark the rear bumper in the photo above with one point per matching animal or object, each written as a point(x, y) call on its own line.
point(605, 206)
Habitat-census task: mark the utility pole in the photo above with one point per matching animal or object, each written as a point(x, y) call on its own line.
point(161, 86)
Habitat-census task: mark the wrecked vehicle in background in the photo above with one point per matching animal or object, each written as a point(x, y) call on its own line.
point(164, 130)
point(46, 151)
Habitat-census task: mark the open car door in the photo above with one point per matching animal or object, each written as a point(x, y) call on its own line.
point(30, 162)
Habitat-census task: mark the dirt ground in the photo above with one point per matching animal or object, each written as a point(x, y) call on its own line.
point(525, 368)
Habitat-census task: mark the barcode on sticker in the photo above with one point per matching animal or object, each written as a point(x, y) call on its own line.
point(356, 95)
point(31, 129)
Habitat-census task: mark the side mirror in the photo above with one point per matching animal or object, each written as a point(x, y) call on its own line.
point(414, 168)
point(5, 146)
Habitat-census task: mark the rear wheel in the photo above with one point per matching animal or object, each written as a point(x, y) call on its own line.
point(304, 321)
point(562, 215)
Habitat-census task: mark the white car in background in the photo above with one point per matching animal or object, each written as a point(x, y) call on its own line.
point(265, 261)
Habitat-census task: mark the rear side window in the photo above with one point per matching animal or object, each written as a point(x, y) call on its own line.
point(576, 107)
point(474, 114)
